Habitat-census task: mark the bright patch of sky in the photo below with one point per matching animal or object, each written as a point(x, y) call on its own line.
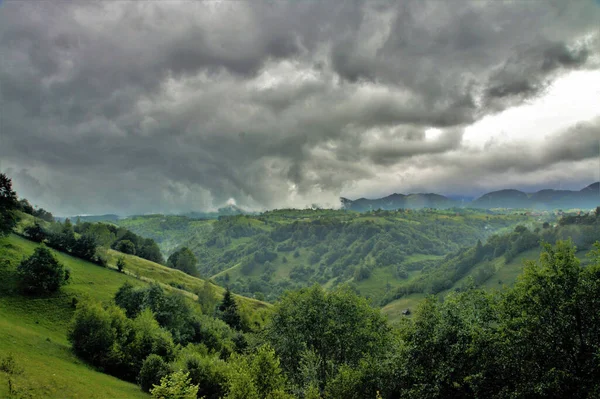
point(570, 99)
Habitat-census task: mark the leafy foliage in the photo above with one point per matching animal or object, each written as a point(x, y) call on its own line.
point(183, 259)
point(8, 204)
point(153, 370)
point(175, 386)
point(332, 329)
point(41, 273)
point(228, 311)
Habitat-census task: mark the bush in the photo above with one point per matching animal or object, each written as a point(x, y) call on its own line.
point(41, 273)
point(35, 233)
point(209, 373)
point(183, 259)
point(154, 369)
point(175, 386)
point(125, 246)
point(9, 365)
point(121, 264)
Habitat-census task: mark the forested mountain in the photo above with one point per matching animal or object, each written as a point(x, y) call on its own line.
point(586, 198)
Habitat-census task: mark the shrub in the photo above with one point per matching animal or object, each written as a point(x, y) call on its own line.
point(41, 273)
point(154, 369)
point(35, 233)
point(209, 373)
point(125, 246)
point(121, 264)
point(175, 386)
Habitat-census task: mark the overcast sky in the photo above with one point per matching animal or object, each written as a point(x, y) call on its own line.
point(167, 106)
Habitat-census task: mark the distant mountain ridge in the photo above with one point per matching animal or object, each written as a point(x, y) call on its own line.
point(586, 198)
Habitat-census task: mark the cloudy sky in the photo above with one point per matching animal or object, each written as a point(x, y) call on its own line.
point(168, 106)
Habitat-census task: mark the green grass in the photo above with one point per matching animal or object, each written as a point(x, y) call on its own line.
point(393, 310)
point(148, 271)
point(34, 331)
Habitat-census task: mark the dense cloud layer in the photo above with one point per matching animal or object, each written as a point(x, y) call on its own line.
point(166, 106)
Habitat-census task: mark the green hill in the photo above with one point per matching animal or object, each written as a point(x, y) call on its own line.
point(264, 255)
point(34, 330)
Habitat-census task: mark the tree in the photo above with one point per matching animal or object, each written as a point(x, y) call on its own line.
point(552, 327)
point(25, 206)
point(154, 369)
point(150, 250)
point(175, 386)
point(183, 259)
point(95, 334)
point(85, 247)
point(207, 297)
point(44, 215)
point(338, 327)
point(207, 371)
point(41, 273)
point(121, 264)
point(126, 246)
point(228, 311)
point(8, 204)
point(35, 233)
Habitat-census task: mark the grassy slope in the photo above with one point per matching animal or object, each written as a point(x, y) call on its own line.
point(34, 329)
point(148, 271)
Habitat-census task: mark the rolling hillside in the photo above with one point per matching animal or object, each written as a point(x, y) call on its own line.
point(377, 252)
point(34, 330)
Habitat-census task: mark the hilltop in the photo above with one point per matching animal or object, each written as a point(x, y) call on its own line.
point(586, 198)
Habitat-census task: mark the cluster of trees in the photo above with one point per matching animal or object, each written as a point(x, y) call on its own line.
point(81, 240)
point(439, 276)
point(25, 207)
point(144, 331)
point(61, 236)
point(122, 240)
point(84, 239)
point(540, 338)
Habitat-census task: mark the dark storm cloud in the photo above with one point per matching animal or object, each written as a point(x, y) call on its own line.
point(171, 106)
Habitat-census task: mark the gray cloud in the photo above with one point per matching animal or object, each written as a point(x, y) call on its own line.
point(168, 106)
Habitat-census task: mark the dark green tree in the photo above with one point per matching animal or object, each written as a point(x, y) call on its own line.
point(121, 264)
point(153, 370)
point(130, 299)
point(551, 327)
point(25, 207)
point(150, 250)
point(8, 204)
point(41, 273)
point(336, 328)
point(125, 246)
point(183, 259)
point(85, 247)
point(228, 311)
point(35, 232)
